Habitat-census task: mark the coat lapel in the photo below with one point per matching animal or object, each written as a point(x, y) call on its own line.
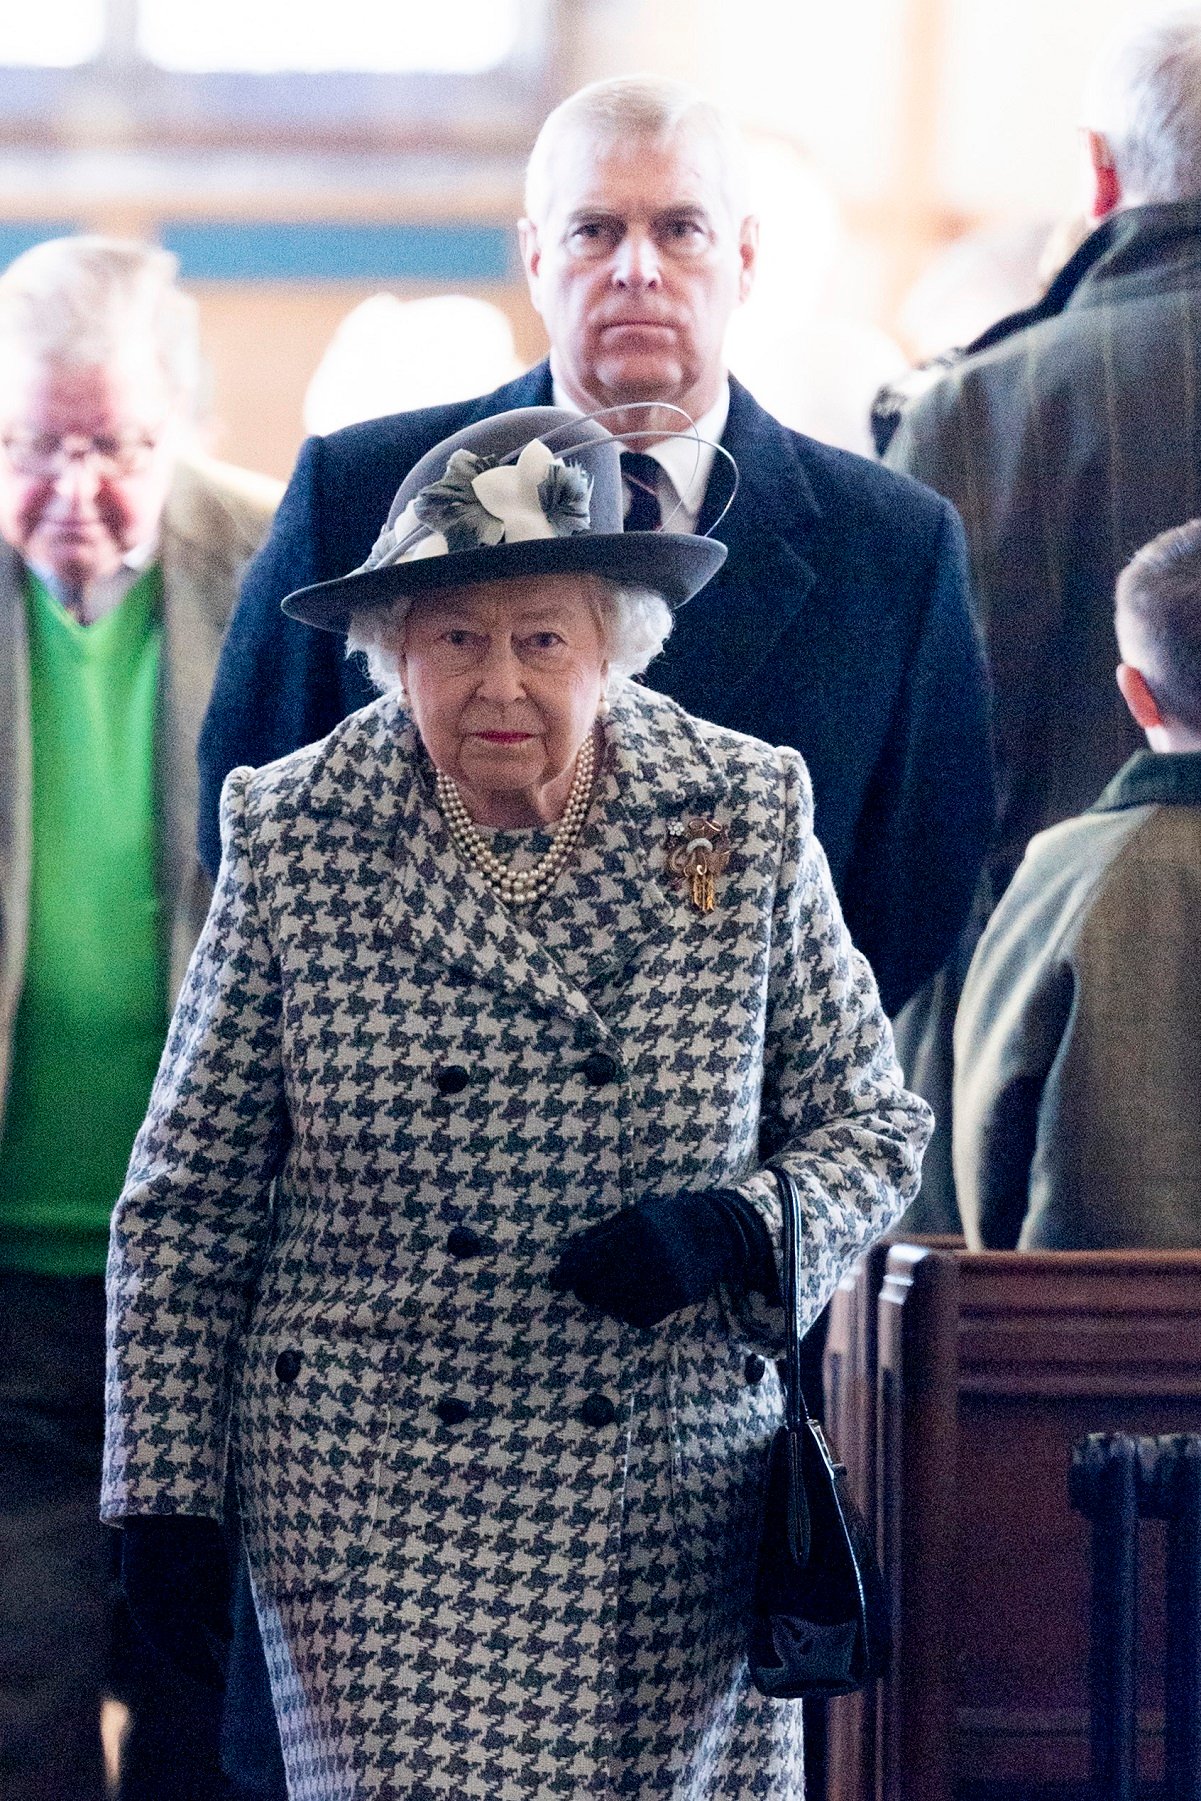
point(656, 772)
point(445, 911)
point(534, 388)
point(724, 637)
point(434, 905)
point(16, 799)
point(204, 550)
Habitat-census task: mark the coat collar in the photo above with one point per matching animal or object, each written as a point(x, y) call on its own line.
point(1139, 250)
point(1154, 779)
point(1146, 246)
point(16, 798)
point(657, 772)
point(212, 523)
point(724, 637)
point(534, 388)
point(1135, 251)
point(775, 495)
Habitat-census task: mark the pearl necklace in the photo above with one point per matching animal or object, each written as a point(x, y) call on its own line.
point(522, 887)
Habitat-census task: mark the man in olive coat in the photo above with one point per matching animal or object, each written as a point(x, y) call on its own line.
point(1078, 1042)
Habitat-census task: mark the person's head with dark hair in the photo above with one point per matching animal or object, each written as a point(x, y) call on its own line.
point(1158, 624)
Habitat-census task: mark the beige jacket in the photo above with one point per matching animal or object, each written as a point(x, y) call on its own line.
point(216, 517)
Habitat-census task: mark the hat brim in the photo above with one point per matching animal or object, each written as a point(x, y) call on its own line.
point(674, 564)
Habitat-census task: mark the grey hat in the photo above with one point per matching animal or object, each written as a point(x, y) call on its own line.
point(536, 491)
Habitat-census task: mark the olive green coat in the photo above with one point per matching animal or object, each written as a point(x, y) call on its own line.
point(1078, 1040)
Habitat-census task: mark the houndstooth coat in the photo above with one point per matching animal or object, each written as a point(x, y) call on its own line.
point(501, 1544)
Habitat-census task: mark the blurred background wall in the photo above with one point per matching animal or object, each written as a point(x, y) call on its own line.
point(912, 158)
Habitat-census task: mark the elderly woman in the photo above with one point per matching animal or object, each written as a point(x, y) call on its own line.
point(451, 1208)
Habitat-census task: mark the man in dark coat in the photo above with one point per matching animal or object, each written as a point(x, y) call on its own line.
point(1068, 436)
point(841, 623)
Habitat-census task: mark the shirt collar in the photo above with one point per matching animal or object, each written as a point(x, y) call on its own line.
point(111, 590)
point(687, 462)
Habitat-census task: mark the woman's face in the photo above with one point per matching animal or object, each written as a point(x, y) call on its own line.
point(504, 680)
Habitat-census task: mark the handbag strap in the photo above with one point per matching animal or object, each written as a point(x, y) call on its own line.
point(797, 1422)
point(796, 1408)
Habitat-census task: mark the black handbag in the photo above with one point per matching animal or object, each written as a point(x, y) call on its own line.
point(819, 1620)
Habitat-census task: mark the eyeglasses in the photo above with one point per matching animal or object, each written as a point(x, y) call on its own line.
point(44, 453)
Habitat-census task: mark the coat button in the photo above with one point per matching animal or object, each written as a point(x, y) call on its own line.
point(598, 1410)
point(461, 1241)
point(754, 1369)
point(287, 1365)
point(451, 1080)
point(598, 1068)
point(451, 1411)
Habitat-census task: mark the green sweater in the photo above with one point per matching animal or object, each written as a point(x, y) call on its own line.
point(94, 1002)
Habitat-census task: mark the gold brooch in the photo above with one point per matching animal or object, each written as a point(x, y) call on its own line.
point(696, 855)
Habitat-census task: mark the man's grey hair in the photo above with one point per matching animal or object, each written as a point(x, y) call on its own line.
point(1144, 97)
point(632, 107)
point(1159, 620)
point(85, 302)
point(634, 623)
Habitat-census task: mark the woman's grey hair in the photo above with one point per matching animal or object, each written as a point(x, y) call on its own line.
point(1144, 97)
point(634, 622)
point(1158, 607)
point(86, 301)
point(630, 107)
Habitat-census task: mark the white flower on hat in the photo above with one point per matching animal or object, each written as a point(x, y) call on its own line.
point(477, 503)
point(511, 495)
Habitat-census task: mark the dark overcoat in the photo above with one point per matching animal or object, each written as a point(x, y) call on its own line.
point(840, 625)
point(1069, 437)
point(1066, 437)
point(501, 1544)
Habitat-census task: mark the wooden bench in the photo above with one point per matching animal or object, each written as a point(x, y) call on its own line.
point(956, 1386)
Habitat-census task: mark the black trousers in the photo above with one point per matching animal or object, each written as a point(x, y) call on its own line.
point(65, 1638)
point(250, 1750)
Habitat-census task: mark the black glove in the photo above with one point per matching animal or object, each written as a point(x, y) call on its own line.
point(175, 1573)
point(668, 1252)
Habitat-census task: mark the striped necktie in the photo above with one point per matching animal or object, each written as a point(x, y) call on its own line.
point(641, 476)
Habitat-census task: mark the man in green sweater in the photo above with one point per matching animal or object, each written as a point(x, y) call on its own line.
point(120, 565)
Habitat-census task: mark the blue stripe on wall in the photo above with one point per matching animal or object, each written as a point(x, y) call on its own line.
point(16, 237)
point(341, 251)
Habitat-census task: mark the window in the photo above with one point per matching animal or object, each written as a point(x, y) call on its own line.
point(246, 72)
point(372, 36)
point(58, 37)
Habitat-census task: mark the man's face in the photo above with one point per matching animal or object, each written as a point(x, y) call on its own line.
point(636, 267)
point(86, 458)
